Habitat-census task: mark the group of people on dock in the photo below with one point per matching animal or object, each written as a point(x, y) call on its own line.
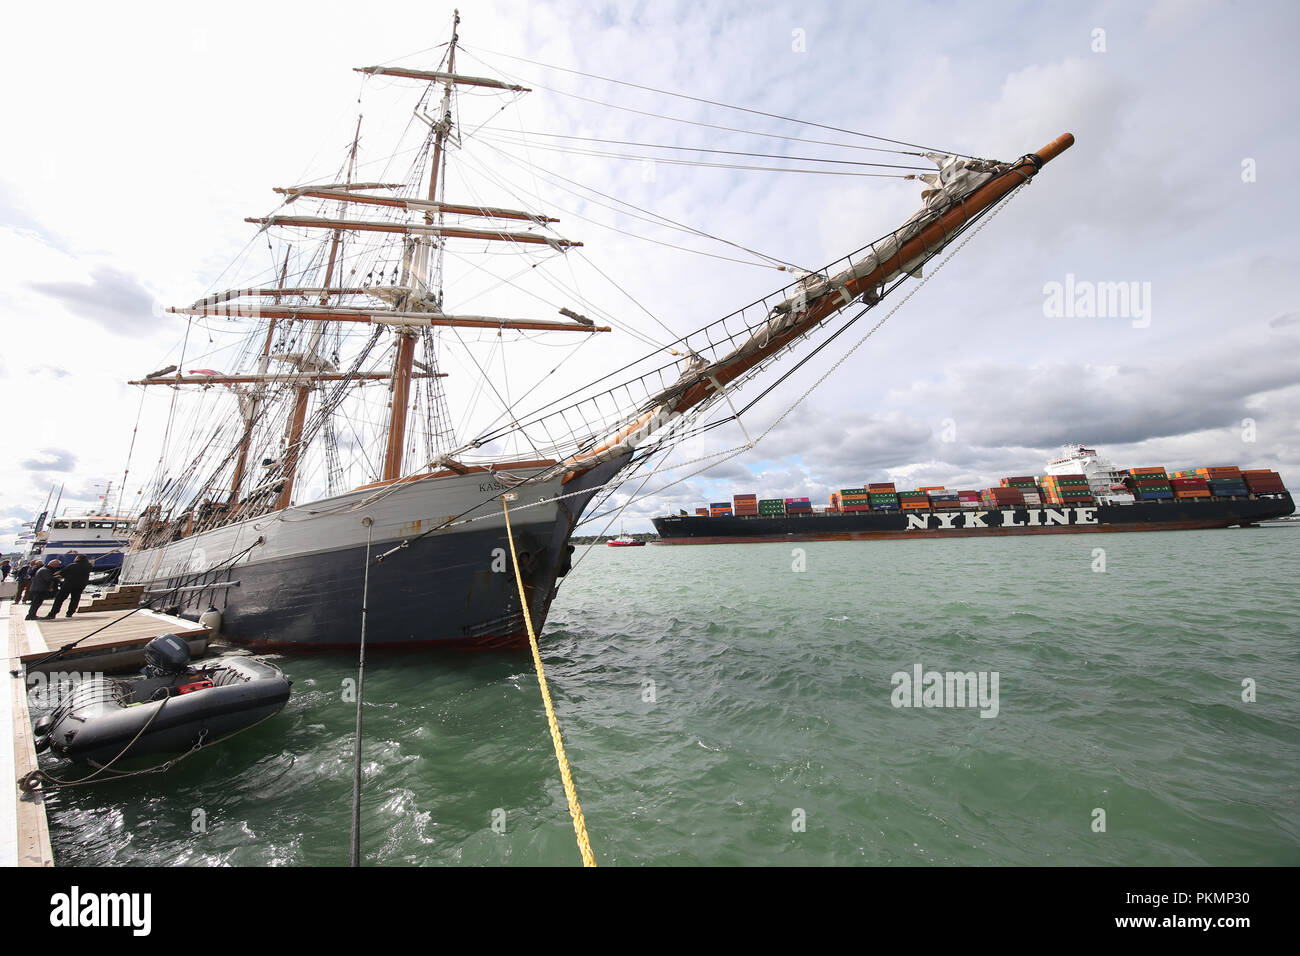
point(38, 582)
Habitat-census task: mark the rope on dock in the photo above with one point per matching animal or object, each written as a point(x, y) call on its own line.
point(575, 808)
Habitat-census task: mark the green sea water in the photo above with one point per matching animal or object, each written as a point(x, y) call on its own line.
point(735, 705)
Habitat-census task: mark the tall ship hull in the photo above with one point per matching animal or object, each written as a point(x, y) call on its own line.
point(823, 526)
point(298, 578)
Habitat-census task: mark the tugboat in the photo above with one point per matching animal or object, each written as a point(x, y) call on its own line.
point(172, 708)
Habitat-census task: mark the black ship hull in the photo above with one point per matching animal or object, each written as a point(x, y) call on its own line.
point(1176, 515)
point(302, 588)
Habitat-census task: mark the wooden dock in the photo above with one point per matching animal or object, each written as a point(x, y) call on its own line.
point(24, 830)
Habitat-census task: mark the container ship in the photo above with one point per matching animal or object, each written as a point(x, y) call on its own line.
point(1081, 491)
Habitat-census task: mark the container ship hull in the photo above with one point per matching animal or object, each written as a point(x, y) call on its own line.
point(974, 522)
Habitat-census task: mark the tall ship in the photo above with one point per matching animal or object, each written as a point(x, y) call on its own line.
point(324, 457)
point(1080, 491)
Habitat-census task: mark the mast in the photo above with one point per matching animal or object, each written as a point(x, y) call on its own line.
point(39, 521)
point(250, 413)
point(293, 449)
point(406, 337)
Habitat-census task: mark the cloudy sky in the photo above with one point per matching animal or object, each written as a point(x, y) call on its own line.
point(139, 137)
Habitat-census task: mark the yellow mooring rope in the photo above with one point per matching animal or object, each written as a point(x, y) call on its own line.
point(575, 808)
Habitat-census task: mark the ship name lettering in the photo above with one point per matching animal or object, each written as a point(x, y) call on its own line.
point(946, 518)
point(976, 520)
point(1009, 519)
point(1085, 515)
point(491, 486)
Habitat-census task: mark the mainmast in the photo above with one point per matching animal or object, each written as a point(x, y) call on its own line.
point(405, 358)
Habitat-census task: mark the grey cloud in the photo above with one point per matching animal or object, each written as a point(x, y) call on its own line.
point(49, 371)
point(1282, 321)
point(113, 299)
point(999, 405)
point(51, 459)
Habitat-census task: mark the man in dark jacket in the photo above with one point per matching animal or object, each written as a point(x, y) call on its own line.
point(42, 587)
point(24, 578)
point(72, 582)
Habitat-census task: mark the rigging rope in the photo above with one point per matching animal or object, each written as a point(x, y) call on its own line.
point(355, 856)
point(702, 149)
point(742, 109)
point(606, 154)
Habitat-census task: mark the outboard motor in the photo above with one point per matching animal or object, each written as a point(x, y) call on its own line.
point(166, 656)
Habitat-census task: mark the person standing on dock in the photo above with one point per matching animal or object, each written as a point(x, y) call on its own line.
point(73, 581)
point(23, 577)
point(42, 587)
point(4, 570)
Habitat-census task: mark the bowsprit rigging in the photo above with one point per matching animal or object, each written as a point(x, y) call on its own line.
point(326, 431)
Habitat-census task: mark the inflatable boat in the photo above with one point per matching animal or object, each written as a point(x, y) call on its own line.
point(171, 708)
